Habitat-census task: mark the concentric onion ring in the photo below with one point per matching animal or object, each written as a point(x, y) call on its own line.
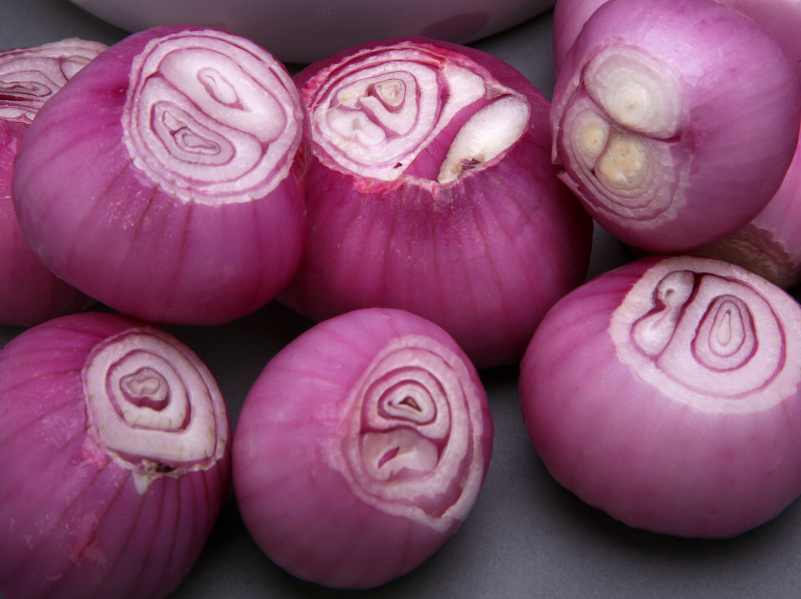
point(413, 436)
point(29, 76)
point(211, 117)
point(695, 333)
point(153, 405)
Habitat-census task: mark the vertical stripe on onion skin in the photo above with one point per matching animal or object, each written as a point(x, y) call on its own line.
point(666, 393)
point(177, 198)
point(410, 215)
point(674, 122)
point(361, 448)
point(87, 513)
point(29, 292)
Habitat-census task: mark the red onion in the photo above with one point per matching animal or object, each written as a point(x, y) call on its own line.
point(29, 292)
point(115, 459)
point(666, 393)
point(164, 179)
point(569, 17)
point(361, 448)
point(675, 121)
point(431, 190)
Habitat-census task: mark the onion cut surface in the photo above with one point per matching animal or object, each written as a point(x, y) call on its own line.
point(29, 292)
point(177, 197)
point(117, 460)
point(431, 190)
point(361, 448)
point(675, 122)
point(666, 393)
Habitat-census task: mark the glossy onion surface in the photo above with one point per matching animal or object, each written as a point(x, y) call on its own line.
point(116, 459)
point(29, 292)
point(675, 122)
point(431, 190)
point(177, 197)
point(361, 448)
point(666, 394)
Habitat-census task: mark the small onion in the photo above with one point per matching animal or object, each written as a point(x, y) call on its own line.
point(361, 448)
point(164, 179)
point(115, 459)
point(29, 292)
point(666, 393)
point(675, 120)
point(431, 190)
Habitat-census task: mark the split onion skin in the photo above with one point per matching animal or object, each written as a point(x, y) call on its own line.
point(29, 292)
point(660, 436)
point(80, 518)
point(711, 158)
point(313, 427)
point(483, 254)
point(110, 196)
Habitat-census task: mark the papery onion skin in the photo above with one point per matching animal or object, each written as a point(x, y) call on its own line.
point(303, 478)
point(734, 105)
point(76, 522)
point(483, 254)
point(179, 236)
point(637, 436)
point(29, 292)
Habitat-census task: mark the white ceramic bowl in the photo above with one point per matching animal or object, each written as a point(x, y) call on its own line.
point(303, 31)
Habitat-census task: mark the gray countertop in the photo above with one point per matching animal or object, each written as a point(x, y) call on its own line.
point(526, 536)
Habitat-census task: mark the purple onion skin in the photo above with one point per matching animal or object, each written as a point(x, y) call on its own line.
point(29, 292)
point(663, 456)
point(101, 223)
point(75, 522)
point(781, 18)
point(720, 157)
point(483, 256)
point(299, 444)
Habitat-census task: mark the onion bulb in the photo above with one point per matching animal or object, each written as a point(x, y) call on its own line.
point(164, 179)
point(674, 121)
point(361, 448)
point(431, 190)
point(29, 292)
point(666, 393)
point(116, 460)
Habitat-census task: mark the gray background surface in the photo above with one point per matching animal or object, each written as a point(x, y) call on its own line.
point(526, 536)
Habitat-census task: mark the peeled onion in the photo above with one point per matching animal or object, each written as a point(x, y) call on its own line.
point(361, 448)
point(666, 393)
point(116, 461)
point(164, 179)
point(431, 190)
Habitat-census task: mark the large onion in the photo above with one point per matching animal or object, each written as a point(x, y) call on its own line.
point(675, 121)
point(431, 190)
point(164, 179)
point(115, 459)
point(361, 448)
point(29, 292)
point(666, 392)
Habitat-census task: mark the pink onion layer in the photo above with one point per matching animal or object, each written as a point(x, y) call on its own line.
point(666, 393)
point(675, 122)
point(29, 292)
point(115, 459)
point(361, 448)
point(176, 198)
point(431, 190)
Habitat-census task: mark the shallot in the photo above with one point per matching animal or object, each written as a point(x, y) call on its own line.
point(666, 393)
point(675, 121)
point(116, 460)
point(29, 292)
point(361, 448)
point(431, 190)
point(164, 179)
